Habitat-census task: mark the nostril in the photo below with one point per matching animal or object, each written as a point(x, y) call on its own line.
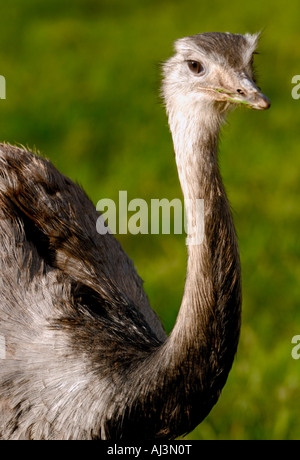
point(240, 92)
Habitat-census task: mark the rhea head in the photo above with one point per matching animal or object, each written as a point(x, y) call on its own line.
point(215, 69)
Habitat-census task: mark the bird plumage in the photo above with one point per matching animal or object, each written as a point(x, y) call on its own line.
point(85, 355)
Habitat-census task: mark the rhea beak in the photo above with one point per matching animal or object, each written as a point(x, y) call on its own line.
point(249, 94)
point(254, 99)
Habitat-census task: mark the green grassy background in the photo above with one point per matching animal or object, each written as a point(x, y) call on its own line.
point(82, 87)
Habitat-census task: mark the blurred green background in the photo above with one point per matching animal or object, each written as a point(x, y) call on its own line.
point(82, 87)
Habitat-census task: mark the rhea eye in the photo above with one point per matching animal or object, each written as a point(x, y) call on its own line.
point(195, 67)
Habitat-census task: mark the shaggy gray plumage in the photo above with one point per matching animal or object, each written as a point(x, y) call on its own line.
point(85, 356)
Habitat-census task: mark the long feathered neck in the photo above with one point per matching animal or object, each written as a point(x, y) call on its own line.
point(204, 339)
point(175, 386)
point(212, 287)
point(193, 364)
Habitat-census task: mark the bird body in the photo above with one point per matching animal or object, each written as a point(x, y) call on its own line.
point(85, 355)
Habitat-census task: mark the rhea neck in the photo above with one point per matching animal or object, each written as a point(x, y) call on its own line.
point(195, 129)
point(206, 332)
point(180, 381)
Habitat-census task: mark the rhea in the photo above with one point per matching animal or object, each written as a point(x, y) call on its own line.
point(83, 356)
